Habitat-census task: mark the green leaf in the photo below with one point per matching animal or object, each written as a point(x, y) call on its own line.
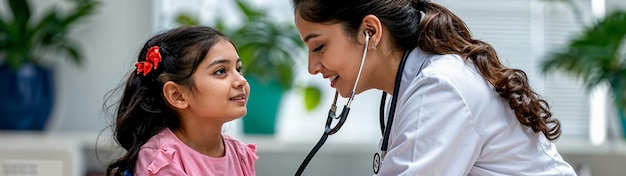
point(187, 19)
point(249, 12)
point(312, 97)
point(71, 49)
point(21, 12)
point(3, 34)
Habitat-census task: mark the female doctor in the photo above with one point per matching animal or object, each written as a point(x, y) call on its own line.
point(455, 109)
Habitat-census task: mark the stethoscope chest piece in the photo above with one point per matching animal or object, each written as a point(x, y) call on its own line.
point(376, 163)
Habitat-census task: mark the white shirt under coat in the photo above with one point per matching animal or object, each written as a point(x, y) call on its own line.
point(450, 121)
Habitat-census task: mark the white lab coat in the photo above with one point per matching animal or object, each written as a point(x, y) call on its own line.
point(450, 121)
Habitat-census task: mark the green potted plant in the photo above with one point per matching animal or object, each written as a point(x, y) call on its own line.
point(26, 94)
point(597, 56)
point(269, 50)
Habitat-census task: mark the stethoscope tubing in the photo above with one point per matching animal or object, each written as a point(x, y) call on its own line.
point(385, 129)
point(312, 153)
point(392, 108)
point(331, 113)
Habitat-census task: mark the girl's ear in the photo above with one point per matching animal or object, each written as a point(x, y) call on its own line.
point(173, 94)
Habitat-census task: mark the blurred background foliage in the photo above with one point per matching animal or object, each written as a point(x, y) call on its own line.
point(25, 38)
point(596, 56)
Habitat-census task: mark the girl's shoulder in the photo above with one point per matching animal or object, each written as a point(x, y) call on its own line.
point(246, 153)
point(239, 145)
point(163, 139)
point(159, 154)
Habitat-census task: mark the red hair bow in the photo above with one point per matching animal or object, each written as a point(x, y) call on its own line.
point(153, 57)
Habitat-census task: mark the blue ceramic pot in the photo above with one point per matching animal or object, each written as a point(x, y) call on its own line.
point(26, 97)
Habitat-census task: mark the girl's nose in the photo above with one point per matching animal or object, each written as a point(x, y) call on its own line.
point(240, 81)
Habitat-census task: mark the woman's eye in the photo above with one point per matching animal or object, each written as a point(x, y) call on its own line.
point(220, 71)
point(319, 48)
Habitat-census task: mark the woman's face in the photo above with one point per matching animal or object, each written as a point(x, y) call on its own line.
point(331, 53)
point(221, 92)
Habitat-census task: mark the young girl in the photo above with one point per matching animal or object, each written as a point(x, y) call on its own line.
point(186, 85)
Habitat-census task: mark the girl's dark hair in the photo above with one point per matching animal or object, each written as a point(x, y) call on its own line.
point(440, 32)
point(143, 111)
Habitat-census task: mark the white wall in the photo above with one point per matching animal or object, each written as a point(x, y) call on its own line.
point(612, 5)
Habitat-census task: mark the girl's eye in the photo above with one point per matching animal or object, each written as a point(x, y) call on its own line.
point(220, 71)
point(239, 69)
point(319, 48)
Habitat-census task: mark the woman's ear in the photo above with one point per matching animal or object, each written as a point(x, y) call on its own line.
point(174, 95)
point(372, 25)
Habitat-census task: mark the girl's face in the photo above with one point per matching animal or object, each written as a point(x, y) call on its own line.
point(221, 92)
point(332, 54)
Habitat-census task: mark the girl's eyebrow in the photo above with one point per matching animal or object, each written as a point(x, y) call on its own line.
point(222, 61)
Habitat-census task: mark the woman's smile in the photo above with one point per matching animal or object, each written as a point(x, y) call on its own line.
point(332, 79)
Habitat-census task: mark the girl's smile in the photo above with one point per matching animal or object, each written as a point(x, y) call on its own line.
point(240, 99)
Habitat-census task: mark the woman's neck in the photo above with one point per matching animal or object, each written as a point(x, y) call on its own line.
point(385, 73)
point(208, 142)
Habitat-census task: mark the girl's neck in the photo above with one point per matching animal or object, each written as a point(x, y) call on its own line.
point(210, 143)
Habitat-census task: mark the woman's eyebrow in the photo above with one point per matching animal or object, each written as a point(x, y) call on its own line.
point(308, 37)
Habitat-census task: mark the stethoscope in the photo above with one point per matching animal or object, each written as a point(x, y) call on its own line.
point(380, 155)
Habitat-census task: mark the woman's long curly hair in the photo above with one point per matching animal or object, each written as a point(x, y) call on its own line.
point(440, 32)
point(142, 111)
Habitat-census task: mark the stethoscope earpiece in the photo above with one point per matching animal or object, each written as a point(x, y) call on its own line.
point(368, 35)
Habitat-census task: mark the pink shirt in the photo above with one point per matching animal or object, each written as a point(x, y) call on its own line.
point(165, 154)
